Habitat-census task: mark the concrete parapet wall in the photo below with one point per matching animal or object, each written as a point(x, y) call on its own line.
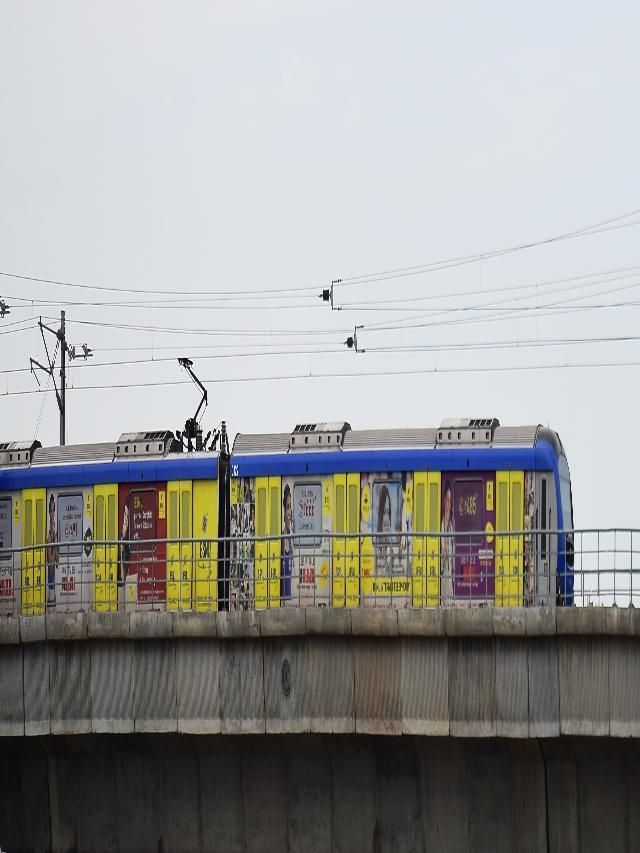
point(319, 792)
point(462, 673)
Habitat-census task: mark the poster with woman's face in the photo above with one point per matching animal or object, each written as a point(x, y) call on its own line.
point(381, 518)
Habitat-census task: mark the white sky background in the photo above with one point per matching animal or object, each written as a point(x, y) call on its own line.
point(234, 147)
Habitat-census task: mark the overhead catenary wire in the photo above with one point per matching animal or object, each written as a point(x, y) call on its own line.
point(261, 333)
point(610, 224)
point(345, 375)
point(463, 260)
point(399, 348)
point(564, 284)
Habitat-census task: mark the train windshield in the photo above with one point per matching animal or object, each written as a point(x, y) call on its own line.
point(565, 493)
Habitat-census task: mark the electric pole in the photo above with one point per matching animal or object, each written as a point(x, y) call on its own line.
point(61, 343)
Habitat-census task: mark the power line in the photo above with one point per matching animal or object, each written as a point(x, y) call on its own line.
point(462, 260)
point(6, 331)
point(217, 304)
point(354, 280)
point(347, 375)
point(400, 349)
point(570, 282)
point(154, 291)
point(201, 304)
point(211, 332)
point(165, 359)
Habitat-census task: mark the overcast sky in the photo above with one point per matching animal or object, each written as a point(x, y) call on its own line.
point(209, 154)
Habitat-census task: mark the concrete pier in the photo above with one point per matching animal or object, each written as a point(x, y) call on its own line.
point(466, 730)
point(319, 793)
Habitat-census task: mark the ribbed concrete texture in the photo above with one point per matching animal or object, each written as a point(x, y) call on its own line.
point(466, 673)
point(310, 793)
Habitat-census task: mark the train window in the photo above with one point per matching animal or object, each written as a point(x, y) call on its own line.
point(111, 518)
point(419, 517)
point(173, 514)
point(434, 490)
point(261, 513)
point(502, 513)
point(39, 532)
point(353, 509)
point(274, 506)
point(5, 527)
point(543, 523)
point(185, 516)
point(339, 509)
point(516, 506)
point(28, 523)
point(100, 532)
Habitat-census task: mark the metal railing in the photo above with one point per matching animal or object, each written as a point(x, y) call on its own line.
point(471, 568)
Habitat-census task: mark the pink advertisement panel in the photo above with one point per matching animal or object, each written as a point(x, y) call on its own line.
point(468, 546)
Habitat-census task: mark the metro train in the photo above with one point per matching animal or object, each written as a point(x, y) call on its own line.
point(322, 516)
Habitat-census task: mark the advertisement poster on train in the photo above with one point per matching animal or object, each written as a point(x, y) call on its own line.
point(141, 561)
point(5, 526)
point(242, 549)
point(6, 562)
point(143, 529)
point(51, 552)
point(529, 556)
point(386, 515)
point(305, 554)
point(466, 548)
point(70, 509)
point(69, 569)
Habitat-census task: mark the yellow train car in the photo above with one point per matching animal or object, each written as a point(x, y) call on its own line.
point(330, 516)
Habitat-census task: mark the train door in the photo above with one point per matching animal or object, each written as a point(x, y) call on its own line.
point(352, 565)
point(509, 547)
point(9, 569)
point(106, 551)
point(426, 543)
point(70, 572)
point(10, 559)
point(419, 590)
point(543, 586)
point(179, 545)
point(33, 559)
point(205, 522)
point(433, 539)
point(338, 545)
point(261, 581)
point(268, 545)
point(275, 541)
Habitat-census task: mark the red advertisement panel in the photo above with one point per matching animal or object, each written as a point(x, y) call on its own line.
point(142, 562)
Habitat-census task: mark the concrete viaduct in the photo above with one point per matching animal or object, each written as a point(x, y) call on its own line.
point(344, 730)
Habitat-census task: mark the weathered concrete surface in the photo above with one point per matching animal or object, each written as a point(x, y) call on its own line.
point(11, 693)
point(112, 709)
point(70, 688)
point(464, 673)
point(316, 793)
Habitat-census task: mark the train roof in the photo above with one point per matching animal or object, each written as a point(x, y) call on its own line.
point(467, 433)
point(135, 457)
point(462, 444)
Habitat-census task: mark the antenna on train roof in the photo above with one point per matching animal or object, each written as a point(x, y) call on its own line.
point(192, 429)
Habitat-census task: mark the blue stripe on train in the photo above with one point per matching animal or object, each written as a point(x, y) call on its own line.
point(539, 458)
point(94, 473)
